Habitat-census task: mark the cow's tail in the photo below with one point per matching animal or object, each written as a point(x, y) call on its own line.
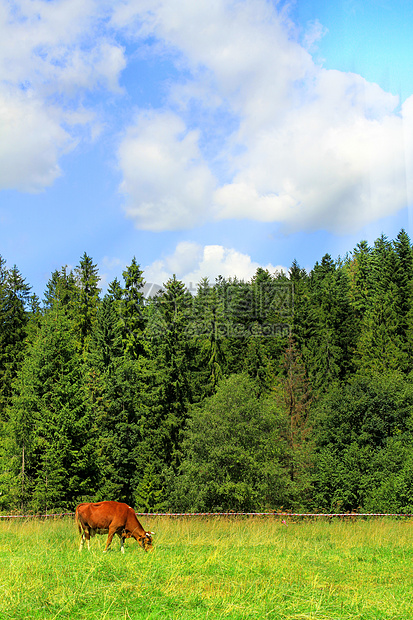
point(77, 520)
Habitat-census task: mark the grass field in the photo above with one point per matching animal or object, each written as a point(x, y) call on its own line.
point(216, 568)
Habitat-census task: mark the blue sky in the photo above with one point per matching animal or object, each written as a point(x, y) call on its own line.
point(205, 138)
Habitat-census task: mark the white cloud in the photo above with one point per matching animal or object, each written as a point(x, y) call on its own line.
point(253, 127)
point(168, 184)
point(336, 163)
point(243, 50)
point(311, 148)
point(315, 31)
point(57, 46)
point(31, 140)
point(191, 262)
point(51, 53)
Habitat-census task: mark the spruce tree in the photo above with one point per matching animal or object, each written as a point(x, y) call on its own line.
point(14, 319)
point(173, 356)
point(382, 341)
point(132, 311)
point(61, 289)
point(115, 290)
point(296, 273)
point(122, 421)
point(106, 338)
point(208, 328)
point(51, 442)
point(359, 269)
point(327, 328)
point(87, 279)
point(104, 359)
point(403, 278)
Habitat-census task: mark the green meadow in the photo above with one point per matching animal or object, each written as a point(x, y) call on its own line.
point(210, 568)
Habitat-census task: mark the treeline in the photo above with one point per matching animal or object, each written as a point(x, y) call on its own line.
point(289, 391)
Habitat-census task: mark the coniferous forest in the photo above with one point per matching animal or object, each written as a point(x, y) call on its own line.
point(290, 391)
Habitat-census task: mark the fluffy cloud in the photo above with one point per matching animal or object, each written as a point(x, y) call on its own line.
point(51, 53)
point(31, 142)
point(309, 148)
point(59, 46)
point(191, 262)
point(336, 161)
point(168, 184)
point(250, 127)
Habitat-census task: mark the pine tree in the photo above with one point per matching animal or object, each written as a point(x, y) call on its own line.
point(208, 327)
point(104, 352)
point(50, 426)
point(132, 311)
point(87, 280)
point(258, 363)
point(155, 393)
point(403, 278)
point(122, 426)
point(382, 342)
point(173, 355)
point(327, 327)
point(14, 318)
point(296, 273)
point(360, 275)
point(271, 325)
point(106, 338)
point(61, 289)
point(115, 291)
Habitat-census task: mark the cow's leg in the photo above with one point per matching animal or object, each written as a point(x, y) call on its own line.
point(82, 541)
point(122, 542)
point(85, 536)
point(111, 534)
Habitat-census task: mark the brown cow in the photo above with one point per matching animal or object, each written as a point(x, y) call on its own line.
point(110, 518)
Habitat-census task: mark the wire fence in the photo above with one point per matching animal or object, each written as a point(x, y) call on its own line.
point(280, 515)
point(39, 516)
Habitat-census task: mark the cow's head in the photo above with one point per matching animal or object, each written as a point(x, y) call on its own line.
point(146, 541)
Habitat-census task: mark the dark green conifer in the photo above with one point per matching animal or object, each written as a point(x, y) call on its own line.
point(132, 311)
point(87, 279)
point(14, 319)
point(50, 425)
